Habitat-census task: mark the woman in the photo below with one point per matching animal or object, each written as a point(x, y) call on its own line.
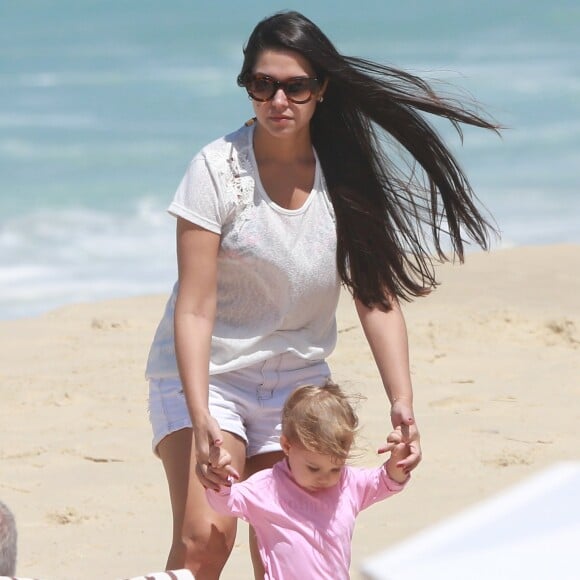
point(271, 220)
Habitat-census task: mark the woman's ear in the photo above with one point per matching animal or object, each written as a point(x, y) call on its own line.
point(321, 91)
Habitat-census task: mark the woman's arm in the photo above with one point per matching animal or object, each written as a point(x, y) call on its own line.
point(195, 309)
point(386, 334)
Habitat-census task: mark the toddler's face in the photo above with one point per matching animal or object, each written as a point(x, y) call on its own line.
point(311, 470)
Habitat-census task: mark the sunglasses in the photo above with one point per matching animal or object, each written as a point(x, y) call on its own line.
point(262, 88)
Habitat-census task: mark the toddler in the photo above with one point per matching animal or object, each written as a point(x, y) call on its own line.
point(303, 509)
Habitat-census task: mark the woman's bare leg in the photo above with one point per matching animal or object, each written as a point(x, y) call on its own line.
point(253, 465)
point(202, 539)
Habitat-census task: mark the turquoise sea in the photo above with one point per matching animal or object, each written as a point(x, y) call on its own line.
point(103, 103)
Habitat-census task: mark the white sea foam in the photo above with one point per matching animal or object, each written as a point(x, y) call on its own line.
point(46, 121)
point(178, 75)
point(49, 258)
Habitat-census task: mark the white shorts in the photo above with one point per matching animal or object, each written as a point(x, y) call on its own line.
point(247, 402)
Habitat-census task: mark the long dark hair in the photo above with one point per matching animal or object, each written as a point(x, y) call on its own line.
point(391, 209)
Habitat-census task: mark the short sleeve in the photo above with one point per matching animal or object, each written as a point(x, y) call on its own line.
point(373, 485)
point(229, 501)
point(198, 198)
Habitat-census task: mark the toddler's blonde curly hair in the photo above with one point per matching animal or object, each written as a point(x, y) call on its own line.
point(321, 419)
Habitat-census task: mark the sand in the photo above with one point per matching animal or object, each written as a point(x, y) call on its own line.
point(496, 369)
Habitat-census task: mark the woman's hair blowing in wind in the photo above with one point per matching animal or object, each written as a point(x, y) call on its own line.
point(396, 189)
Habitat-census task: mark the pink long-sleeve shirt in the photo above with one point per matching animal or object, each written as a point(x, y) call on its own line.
point(302, 534)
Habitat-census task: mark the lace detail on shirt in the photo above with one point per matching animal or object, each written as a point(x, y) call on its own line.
point(239, 182)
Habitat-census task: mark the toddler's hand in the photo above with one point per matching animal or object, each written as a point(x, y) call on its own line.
point(395, 465)
point(220, 464)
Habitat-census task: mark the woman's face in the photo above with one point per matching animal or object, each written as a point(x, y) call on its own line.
point(279, 116)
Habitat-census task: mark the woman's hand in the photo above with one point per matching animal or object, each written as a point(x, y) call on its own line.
point(402, 417)
point(386, 333)
point(221, 466)
point(213, 464)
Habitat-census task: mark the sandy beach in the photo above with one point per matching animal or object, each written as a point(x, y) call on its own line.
point(496, 368)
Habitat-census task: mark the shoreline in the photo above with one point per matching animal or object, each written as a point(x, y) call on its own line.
point(495, 365)
point(34, 311)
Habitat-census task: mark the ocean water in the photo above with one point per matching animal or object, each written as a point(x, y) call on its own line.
point(104, 102)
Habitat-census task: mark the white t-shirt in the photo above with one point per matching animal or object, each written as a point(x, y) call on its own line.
point(278, 285)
